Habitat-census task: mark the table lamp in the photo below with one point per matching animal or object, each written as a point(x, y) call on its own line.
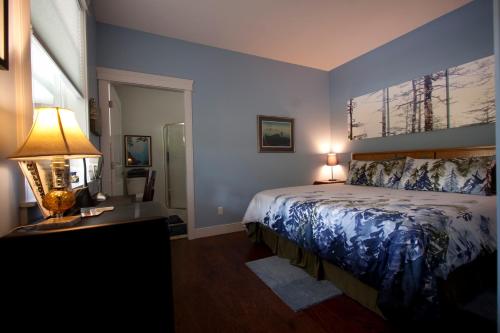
point(331, 160)
point(56, 136)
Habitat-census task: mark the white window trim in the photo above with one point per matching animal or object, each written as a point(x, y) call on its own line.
point(21, 64)
point(85, 91)
point(24, 78)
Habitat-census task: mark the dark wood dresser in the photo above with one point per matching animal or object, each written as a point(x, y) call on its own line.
point(110, 273)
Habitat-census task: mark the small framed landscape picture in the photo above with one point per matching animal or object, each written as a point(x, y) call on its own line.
point(137, 151)
point(276, 134)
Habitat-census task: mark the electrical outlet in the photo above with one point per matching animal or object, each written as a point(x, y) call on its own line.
point(220, 211)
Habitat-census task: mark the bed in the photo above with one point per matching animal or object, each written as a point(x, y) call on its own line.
point(403, 254)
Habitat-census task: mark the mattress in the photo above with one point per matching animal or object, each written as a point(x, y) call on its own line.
point(399, 242)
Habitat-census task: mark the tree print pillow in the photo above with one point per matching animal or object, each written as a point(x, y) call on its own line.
point(376, 173)
point(472, 175)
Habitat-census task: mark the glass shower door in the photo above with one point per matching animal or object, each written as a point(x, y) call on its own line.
point(175, 165)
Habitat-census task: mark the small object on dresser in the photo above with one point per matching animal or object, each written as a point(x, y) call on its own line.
point(94, 211)
point(323, 182)
point(100, 196)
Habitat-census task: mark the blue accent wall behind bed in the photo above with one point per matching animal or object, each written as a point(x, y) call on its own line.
point(453, 39)
point(230, 90)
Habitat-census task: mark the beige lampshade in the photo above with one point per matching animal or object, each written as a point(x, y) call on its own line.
point(331, 159)
point(55, 132)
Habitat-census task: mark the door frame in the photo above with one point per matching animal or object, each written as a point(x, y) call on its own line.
point(171, 83)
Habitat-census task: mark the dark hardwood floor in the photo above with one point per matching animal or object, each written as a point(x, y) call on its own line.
point(214, 291)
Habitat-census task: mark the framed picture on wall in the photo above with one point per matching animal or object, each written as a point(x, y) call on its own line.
point(276, 134)
point(4, 35)
point(138, 151)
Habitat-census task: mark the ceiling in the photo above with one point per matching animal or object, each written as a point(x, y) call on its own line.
point(321, 34)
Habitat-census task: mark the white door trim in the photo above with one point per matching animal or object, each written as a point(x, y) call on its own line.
point(142, 79)
point(166, 82)
point(103, 89)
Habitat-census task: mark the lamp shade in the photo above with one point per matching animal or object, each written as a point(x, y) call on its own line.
point(331, 159)
point(55, 132)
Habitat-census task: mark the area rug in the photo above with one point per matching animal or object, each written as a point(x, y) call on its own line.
point(483, 305)
point(293, 285)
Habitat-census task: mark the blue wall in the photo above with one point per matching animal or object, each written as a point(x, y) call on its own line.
point(456, 38)
point(230, 90)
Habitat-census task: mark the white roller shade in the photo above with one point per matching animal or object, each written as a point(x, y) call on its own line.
point(58, 25)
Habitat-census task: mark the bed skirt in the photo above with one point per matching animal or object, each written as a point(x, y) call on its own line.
point(460, 286)
point(315, 266)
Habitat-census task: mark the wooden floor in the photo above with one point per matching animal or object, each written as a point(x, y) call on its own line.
point(214, 291)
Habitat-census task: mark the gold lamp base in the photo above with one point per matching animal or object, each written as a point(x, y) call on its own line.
point(60, 198)
point(58, 201)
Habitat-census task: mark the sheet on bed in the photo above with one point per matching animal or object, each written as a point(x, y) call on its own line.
point(398, 241)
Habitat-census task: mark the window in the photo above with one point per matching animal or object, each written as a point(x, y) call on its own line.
point(58, 62)
point(60, 27)
point(51, 87)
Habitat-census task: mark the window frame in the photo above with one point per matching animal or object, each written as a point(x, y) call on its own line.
point(27, 194)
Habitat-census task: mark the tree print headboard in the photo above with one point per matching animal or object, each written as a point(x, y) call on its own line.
point(427, 153)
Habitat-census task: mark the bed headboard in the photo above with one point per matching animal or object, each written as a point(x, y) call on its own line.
point(427, 153)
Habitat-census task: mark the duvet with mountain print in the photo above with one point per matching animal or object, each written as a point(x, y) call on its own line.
point(400, 242)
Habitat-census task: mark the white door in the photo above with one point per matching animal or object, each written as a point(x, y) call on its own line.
point(117, 182)
point(111, 139)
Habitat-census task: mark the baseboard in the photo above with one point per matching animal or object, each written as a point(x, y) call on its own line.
point(216, 230)
point(178, 237)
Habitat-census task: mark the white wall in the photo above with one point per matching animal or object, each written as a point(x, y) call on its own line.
point(15, 111)
point(144, 112)
point(9, 173)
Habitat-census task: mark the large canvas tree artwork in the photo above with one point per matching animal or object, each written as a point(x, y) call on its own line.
point(458, 96)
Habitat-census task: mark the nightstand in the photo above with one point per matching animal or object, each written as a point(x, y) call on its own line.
point(323, 182)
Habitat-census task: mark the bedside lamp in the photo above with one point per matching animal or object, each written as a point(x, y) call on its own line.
point(331, 160)
point(56, 136)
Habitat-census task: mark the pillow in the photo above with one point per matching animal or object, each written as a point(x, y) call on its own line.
point(376, 173)
point(472, 175)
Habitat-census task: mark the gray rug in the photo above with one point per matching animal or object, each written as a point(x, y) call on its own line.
point(483, 305)
point(293, 285)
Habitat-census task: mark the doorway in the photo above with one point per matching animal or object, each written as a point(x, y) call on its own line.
point(142, 120)
point(175, 171)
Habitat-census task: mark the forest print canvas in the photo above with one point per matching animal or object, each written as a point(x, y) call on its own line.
point(458, 96)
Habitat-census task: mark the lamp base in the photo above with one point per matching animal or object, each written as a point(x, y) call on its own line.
point(332, 180)
point(57, 222)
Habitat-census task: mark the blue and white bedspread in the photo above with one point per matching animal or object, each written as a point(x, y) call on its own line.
point(397, 241)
